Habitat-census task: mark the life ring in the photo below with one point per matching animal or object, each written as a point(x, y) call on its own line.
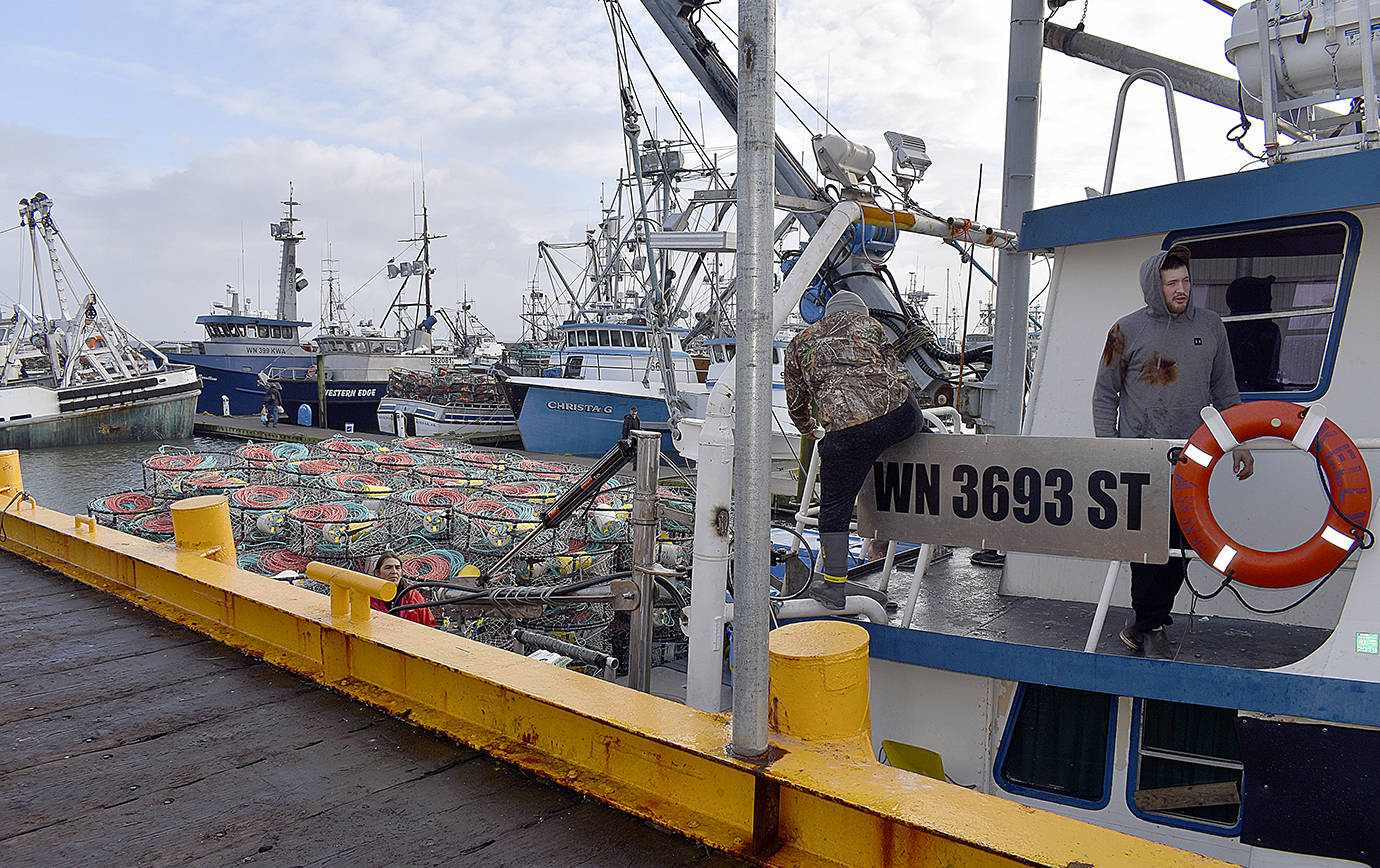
point(1308, 428)
point(96, 342)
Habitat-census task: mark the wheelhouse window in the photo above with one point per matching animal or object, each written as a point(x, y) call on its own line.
point(1281, 292)
point(1188, 765)
point(641, 338)
point(1056, 745)
point(617, 337)
point(264, 332)
point(581, 339)
point(603, 338)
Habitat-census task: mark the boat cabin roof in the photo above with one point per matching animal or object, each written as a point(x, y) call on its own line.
point(1304, 187)
point(232, 319)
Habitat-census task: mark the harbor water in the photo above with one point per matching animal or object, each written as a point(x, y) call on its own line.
point(69, 479)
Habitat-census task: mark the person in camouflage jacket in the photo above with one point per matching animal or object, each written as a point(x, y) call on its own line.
point(843, 376)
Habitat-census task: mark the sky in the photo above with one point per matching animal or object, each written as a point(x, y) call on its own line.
point(167, 132)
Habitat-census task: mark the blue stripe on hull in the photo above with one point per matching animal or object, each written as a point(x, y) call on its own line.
point(225, 375)
point(1311, 696)
point(569, 422)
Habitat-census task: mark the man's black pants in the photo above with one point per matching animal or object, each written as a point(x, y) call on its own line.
point(1154, 586)
point(846, 455)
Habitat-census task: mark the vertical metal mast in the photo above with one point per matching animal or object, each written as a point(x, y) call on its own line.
point(426, 258)
point(1011, 338)
point(285, 232)
point(752, 423)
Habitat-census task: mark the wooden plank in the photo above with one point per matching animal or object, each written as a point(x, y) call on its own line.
point(112, 679)
point(132, 736)
point(141, 716)
point(124, 640)
point(1189, 796)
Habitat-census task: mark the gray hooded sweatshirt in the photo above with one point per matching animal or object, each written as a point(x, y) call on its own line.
point(1157, 372)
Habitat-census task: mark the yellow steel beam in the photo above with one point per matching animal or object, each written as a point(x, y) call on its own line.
point(812, 803)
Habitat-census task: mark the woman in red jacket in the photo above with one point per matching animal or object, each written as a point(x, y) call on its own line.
point(389, 568)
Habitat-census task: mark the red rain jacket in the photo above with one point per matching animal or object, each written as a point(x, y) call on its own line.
point(421, 616)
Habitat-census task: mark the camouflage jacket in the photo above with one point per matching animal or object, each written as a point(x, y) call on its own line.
point(842, 371)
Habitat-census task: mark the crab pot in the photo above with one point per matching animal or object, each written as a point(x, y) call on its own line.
point(156, 525)
point(424, 512)
point(420, 445)
point(456, 475)
point(119, 509)
point(583, 624)
point(167, 474)
point(302, 472)
point(337, 530)
point(484, 527)
point(258, 513)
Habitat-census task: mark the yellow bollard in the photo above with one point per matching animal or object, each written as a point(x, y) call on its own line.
point(351, 590)
point(11, 479)
point(202, 525)
point(819, 689)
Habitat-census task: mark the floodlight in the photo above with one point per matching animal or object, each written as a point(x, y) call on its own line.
point(908, 159)
point(841, 160)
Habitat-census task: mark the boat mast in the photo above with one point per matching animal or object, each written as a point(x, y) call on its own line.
point(290, 279)
point(1011, 335)
point(29, 214)
point(426, 258)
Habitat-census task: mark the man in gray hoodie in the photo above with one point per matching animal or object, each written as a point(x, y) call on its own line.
point(1160, 367)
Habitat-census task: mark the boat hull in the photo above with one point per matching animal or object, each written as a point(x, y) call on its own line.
point(478, 423)
point(353, 403)
point(165, 410)
point(582, 421)
point(233, 377)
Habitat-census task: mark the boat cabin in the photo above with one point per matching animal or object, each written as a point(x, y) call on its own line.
point(1273, 694)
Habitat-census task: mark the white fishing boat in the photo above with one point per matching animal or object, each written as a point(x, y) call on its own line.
point(73, 375)
point(1255, 741)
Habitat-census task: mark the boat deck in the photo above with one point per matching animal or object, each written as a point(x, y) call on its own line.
point(130, 735)
point(959, 598)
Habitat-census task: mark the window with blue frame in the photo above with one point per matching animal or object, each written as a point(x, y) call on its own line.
point(1187, 765)
point(1057, 745)
point(1280, 288)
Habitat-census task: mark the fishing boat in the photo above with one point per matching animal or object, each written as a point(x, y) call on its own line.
point(599, 372)
point(467, 403)
point(74, 375)
point(1254, 741)
point(353, 366)
point(240, 344)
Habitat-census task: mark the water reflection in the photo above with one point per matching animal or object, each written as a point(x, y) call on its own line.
point(70, 478)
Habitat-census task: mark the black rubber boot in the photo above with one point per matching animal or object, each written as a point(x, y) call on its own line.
point(828, 591)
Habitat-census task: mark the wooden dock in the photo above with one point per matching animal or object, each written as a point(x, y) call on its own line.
point(135, 741)
point(250, 428)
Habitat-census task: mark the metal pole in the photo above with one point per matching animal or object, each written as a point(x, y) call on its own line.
point(1267, 81)
point(1011, 339)
point(1189, 80)
point(1372, 118)
point(321, 389)
point(753, 418)
point(644, 534)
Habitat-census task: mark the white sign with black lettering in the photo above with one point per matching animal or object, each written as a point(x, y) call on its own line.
point(1082, 496)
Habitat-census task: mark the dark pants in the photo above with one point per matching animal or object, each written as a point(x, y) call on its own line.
point(846, 455)
point(1154, 586)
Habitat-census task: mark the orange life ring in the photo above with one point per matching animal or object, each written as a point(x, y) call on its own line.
point(95, 342)
point(1308, 428)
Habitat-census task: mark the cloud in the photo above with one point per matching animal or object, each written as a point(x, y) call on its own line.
point(162, 128)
